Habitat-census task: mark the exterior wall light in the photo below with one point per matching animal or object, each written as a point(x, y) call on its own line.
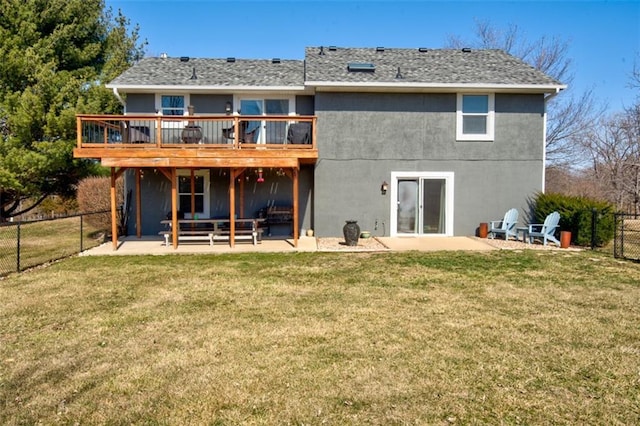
point(384, 187)
point(227, 108)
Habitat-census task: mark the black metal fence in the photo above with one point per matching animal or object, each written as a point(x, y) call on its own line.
point(24, 245)
point(627, 236)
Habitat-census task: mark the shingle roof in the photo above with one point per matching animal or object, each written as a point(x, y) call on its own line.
point(436, 66)
point(212, 72)
point(416, 66)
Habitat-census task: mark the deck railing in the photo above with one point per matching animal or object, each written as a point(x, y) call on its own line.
point(197, 131)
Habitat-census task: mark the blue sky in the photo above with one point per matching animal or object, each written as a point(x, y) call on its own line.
point(604, 36)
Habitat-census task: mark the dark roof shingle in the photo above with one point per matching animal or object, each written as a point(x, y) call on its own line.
point(212, 72)
point(416, 66)
point(437, 66)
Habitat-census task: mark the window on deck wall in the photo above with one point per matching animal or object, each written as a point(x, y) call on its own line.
point(475, 117)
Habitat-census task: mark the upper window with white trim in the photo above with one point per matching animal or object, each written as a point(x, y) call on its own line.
point(172, 105)
point(475, 117)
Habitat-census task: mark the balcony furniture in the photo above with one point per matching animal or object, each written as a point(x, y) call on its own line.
point(191, 133)
point(524, 230)
point(133, 134)
point(299, 133)
point(506, 226)
point(278, 215)
point(546, 231)
point(245, 136)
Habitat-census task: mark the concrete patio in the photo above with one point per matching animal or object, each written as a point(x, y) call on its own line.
point(155, 246)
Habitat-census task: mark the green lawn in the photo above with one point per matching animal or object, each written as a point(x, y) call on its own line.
point(44, 241)
point(532, 337)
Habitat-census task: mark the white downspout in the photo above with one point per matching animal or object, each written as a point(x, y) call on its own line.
point(117, 95)
point(544, 137)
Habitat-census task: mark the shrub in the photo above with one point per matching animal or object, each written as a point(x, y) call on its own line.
point(94, 195)
point(576, 216)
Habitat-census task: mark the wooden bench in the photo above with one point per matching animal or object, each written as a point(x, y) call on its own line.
point(214, 229)
point(241, 234)
point(189, 235)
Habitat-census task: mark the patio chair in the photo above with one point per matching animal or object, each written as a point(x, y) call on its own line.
point(245, 136)
point(506, 226)
point(299, 133)
point(546, 231)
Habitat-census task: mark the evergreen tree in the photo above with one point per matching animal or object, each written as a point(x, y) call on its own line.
point(55, 57)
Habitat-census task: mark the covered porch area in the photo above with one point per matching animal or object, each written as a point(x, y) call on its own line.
point(187, 219)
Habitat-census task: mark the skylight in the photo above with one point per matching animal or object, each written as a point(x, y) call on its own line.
point(360, 67)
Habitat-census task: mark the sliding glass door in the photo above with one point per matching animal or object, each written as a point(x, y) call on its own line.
point(423, 203)
point(265, 131)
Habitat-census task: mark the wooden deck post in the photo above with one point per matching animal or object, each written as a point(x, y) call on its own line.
point(193, 194)
point(114, 213)
point(295, 205)
point(232, 206)
point(174, 208)
point(138, 203)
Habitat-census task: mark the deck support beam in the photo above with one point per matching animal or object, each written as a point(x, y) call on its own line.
point(295, 173)
point(174, 208)
point(138, 203)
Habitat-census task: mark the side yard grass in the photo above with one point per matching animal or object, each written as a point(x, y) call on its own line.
point(44, 241)
point(530, 337)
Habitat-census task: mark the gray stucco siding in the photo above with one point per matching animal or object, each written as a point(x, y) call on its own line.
point(483, 191)
point(389, 126)
point(363, 138)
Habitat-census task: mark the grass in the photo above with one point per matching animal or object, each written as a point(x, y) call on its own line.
point(44, 241)
point(533, 337)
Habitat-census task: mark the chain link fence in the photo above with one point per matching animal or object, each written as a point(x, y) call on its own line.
point(627, 236)
point(24, 245)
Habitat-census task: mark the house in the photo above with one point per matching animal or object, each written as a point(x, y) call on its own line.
point(408, 142)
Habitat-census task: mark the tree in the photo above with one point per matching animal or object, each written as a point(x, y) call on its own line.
point(568, 116)
point(55, 56)
point(614, 147)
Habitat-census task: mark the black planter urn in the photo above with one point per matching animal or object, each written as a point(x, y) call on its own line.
point(351, 232)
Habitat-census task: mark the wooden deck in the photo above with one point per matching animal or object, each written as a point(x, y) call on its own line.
point(196, 141)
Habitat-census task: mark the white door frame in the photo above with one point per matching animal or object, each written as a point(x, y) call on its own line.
point(206, 195)
point(449, 194)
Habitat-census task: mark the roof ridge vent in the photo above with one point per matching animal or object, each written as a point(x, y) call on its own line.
point(466, 49)
point(333, 48)
point(379, 49)
point(276, 61)
point(423, 49)
point(231, 59)
point(184, 59)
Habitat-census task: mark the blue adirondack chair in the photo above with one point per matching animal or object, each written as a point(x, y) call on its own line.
point(545, 231)
point(506, 226)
